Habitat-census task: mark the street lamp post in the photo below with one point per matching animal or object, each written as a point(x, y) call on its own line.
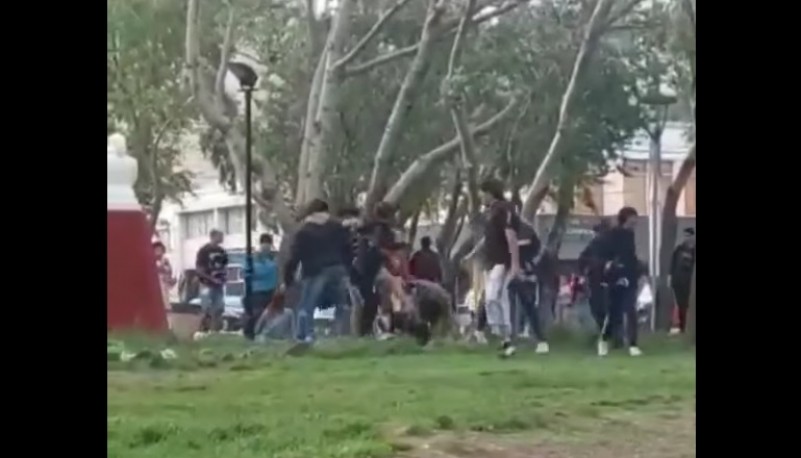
point(661, 103)
point(247, 82)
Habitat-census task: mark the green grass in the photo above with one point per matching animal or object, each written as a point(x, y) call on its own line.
point(358, 399)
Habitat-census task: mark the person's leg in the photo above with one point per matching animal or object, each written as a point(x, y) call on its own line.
point(525, 292)
point(216, 307)
point(495, 279)
point(598, 303)
point(311, 290)
point(682, 295)
point(613, 320)
point(632, 323)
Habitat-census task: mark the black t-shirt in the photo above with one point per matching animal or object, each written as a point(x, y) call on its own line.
point(502, 216)
point(212, 261)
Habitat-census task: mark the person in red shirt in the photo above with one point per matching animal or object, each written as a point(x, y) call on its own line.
point(425, 263)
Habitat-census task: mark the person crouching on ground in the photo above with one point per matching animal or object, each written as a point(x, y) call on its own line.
point(502, 261)
point(321, 248)
point(264, 280)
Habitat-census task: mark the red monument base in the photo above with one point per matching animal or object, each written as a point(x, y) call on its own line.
point(134, 295)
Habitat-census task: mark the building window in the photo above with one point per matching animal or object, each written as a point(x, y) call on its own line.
point(232, 220)
point(198, 224)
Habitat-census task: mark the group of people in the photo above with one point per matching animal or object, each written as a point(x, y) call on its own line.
point(364, 269)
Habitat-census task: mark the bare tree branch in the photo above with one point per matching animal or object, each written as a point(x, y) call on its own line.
point(418, 169)
point(404, 102)
point(370, 34)
point(445, 30)
point(225, 55)
point(622, 12)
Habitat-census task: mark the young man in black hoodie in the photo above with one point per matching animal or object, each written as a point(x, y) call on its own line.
point(621, 273)
point(591, 266)
point(322, 249)
point(681, 272)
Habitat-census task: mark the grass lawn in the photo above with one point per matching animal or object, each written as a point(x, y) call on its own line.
point(392, 399)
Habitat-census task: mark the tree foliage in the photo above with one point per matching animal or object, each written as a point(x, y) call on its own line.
point(145, 99)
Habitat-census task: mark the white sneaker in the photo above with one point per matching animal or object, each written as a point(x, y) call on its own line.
point(674, 331)
point(603, 348)
point(635, 351)
point(508, 350)
point(542, 348)
point(481, 339)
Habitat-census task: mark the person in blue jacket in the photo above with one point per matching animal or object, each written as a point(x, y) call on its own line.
point(264, 281)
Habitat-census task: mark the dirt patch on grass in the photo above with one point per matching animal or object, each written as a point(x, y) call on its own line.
point(661, 436)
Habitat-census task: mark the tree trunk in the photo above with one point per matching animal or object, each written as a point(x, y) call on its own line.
point(665, 299)
point(691, 314)
point(328, 106)
point(549, 271)
point(596, 27)
point(404, 102)
point(413, 227)
point(310, 129)
point(446, 232)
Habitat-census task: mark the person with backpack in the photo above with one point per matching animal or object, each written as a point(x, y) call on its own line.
point(524, 289)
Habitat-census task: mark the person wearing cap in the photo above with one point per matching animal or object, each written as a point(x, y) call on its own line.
point(210, 265)
point(681, 271)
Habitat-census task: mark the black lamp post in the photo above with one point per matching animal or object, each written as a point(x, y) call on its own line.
point(247, 82)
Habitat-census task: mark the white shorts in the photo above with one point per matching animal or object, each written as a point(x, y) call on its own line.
point(496, 296)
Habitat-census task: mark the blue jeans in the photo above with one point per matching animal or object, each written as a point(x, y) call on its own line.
point(324, 289)
point(213, 301)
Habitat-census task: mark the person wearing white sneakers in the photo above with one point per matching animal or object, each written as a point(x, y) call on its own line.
point(525, 289)
point(621, 271)
point(501, 261)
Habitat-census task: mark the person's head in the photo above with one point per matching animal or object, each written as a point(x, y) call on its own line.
point(425, 242)
point(159, 249)
point(315, 206)
point(689, 236)
point(627, 217)
point(491, 190)
point(216, 237)
point(385, 211)
point(265, 243)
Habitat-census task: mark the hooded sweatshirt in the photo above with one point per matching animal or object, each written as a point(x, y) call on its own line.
point(320, 243)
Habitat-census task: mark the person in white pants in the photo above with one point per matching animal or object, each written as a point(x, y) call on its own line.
point(501, 261)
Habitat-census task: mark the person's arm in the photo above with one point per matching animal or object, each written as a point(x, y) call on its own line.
point(292, 263)
point(510, 230)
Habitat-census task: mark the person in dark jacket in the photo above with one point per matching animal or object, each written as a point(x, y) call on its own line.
point(322, 249)
point(621, 273)
point(591, 266)
point(425, 263)
point(681, 272)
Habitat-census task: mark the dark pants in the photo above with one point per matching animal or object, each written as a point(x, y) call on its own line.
point(258, 302)
point(598, 299)
point(524, 294)
point(369, 308)
point(622, 303)
point(681, 289)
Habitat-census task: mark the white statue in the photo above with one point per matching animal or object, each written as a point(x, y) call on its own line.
point(121, 172)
